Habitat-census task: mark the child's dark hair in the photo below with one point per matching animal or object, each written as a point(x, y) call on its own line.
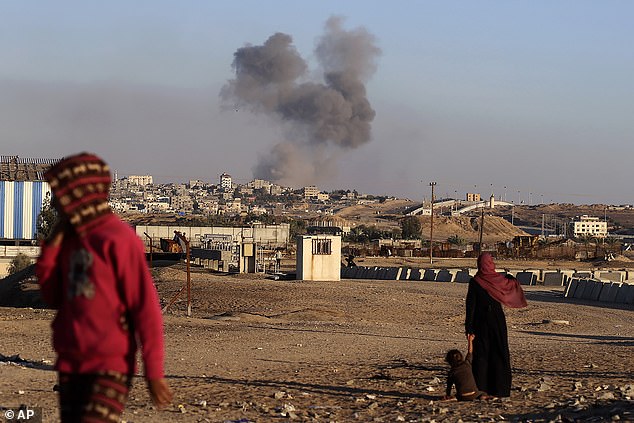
point(454, 357)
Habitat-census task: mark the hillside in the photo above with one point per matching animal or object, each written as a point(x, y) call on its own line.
point(388, 214)
point(496, 229)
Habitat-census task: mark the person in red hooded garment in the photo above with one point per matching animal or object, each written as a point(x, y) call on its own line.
point(488, 292)
point(92, 269)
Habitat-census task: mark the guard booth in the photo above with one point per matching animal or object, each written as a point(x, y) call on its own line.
point(248, 257)
point(318, 258)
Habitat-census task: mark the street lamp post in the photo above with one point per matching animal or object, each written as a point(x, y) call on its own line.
point(431, 226)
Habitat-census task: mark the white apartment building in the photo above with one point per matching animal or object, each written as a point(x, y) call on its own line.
point(225, 181)
point(590, 226)
point(140, 180)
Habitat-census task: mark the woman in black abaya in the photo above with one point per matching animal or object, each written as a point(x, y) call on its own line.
point(488, 291)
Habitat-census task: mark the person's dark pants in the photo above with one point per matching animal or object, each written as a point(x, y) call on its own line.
point(95, 397)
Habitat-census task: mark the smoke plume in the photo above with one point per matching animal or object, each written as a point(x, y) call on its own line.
point(320, 118)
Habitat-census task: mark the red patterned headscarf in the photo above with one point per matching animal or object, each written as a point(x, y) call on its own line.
point(505, 290)
point(81, 184)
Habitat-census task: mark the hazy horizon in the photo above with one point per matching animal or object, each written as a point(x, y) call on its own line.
point(523, 98)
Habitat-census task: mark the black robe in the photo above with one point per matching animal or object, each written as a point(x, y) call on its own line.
point(491, 358)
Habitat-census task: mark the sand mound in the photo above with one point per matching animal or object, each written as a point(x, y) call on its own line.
point(496, 229)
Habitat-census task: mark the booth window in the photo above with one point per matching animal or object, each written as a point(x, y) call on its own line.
point(322, 246)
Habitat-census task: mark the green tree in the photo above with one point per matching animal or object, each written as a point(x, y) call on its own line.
point(46, 219)
point(410, 227)
point(456, 240)
point(297, 227)
point(613, 244)
point(19, 263)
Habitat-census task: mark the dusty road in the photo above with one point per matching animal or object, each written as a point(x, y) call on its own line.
point(261, 350)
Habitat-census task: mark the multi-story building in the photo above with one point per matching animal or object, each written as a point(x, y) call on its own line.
point(225, 182)
point(590, 226)
point(182, 204)
point(140, 180)
point(311, 192)
point(259, 184)
point(473, 197)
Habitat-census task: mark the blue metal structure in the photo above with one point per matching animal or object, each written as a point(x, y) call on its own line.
point(20, 205)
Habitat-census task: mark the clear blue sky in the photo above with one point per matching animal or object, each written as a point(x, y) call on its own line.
point(534, 96)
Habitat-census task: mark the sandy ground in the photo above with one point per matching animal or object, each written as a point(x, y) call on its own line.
point(259, 350)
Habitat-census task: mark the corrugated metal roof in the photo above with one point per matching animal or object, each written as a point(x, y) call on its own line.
point(15, 168)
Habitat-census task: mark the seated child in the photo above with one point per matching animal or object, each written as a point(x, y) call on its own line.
point(460, 374)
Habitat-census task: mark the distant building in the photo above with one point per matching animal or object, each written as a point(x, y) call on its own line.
point(590, 226)
point(182, 203)
point(15, 168)
point(140, 180)
point(311, 192)
point(259, 184)
point(225, 181)
point(22, 195)
point(322, 196)
point(20, 205)
point(471, 196)
point(196, 183)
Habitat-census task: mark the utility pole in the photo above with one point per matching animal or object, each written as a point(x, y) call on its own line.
point(481, 230)
point(431, 228)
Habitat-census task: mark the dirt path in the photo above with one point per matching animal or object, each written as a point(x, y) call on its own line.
point(263, 350)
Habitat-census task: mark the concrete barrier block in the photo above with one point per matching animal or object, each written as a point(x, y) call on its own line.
point(615, 287)
point(392, 273)
point(526, 278)
point(554, 279)
point(538, 274)
point(415, 275)
point(583, 275)
point(347, 272)
point(372, 272)
point(429, 275)
point(605, 291)
point(444, 275)
point(405, 272)
point(567, 273)
point(352, 272)
point(629, 293)
point(596, 291)
point(571, 288)
point(463, 276)
point(582, 284)
point(588, 286)
point(613, 276)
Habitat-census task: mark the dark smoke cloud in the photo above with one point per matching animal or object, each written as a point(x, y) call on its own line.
point(321, 117)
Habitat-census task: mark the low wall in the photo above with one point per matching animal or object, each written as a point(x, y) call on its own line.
point(613, 287)
point(598, 290)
